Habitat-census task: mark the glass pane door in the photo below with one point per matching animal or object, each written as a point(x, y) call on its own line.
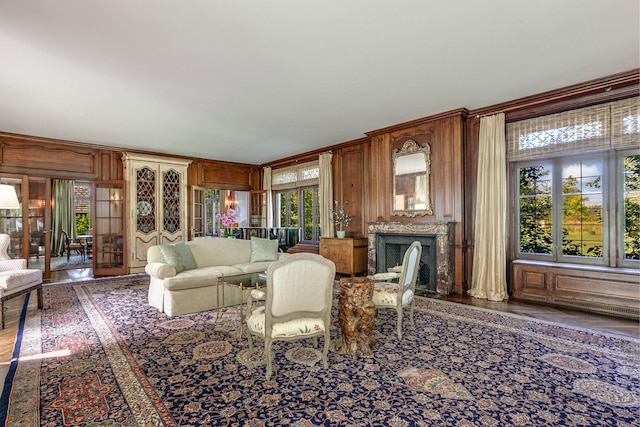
point(11, 220)
point(108, 228)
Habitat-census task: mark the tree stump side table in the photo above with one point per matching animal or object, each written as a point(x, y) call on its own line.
point(356, 310)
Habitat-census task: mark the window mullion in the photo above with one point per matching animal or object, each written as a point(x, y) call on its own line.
point(556, 210)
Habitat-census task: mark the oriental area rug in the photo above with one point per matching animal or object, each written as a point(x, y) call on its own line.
point(98, 355)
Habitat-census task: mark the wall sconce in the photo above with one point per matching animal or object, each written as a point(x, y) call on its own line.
point(8, 197)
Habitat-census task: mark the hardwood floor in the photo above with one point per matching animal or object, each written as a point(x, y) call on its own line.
point(603, 323)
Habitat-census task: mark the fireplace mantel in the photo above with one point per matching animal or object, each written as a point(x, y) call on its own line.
point(443, 233)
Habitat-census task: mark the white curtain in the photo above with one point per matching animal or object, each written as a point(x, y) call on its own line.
point(266, 185)
point(325, 189)
point(489, 277)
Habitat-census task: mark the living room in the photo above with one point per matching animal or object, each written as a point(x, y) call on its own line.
point(362, 167)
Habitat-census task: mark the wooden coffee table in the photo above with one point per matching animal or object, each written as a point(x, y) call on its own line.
point(244, 282)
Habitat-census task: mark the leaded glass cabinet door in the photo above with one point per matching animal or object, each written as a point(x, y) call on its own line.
point(173, 204)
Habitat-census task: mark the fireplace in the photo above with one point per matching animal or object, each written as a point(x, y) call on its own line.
point(390, 249)
point(389, 241)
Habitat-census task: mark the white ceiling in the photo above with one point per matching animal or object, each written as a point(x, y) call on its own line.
point(254, 81)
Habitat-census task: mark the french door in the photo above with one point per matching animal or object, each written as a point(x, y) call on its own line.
point(29, 227)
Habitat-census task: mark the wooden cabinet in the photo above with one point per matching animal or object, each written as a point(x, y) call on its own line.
point(156, 204)
point(348, 254)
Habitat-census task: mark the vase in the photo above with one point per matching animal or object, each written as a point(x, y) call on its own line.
point(341, 234)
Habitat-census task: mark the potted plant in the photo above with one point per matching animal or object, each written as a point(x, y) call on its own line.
point(341, 219)
point(227, 220)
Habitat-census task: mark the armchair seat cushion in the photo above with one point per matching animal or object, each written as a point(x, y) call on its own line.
point(293, 328)
point(386, 295)
point(15, 281)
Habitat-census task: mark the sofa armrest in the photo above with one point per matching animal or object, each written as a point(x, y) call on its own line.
point(13, 264)
point(160, 270)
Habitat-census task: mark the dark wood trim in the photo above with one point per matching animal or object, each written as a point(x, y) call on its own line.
point(460, 112)
point(606, 89)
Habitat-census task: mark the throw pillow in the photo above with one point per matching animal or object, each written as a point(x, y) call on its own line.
point(263, 249)
point(179, 256)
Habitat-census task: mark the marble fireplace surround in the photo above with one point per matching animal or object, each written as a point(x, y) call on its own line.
point(443, 233)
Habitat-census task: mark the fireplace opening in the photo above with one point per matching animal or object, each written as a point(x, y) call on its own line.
point(390, 249)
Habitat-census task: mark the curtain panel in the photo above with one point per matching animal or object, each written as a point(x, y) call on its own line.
point(326, 195)
point(489, 276)
point(64, 217)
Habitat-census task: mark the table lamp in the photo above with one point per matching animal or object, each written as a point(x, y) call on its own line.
point(8, 197)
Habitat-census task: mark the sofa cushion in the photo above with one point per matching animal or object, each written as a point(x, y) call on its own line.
point(254, 267)
point(179, 256)
point(200, 277)
point(215, 251)
point(263, 249)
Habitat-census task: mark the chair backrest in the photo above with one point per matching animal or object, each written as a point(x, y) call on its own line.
point(299, 285)
point(5, 239)
point(410, 266)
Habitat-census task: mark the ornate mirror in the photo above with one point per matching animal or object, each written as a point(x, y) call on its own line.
point(411, 171)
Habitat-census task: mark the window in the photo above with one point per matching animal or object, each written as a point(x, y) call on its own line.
point(305, 217)
point(577, 185)
point(297, 198)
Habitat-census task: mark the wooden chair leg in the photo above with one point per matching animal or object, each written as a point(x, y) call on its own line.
point(39, 293)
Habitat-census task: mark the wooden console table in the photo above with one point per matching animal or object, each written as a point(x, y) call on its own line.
point(348, 254)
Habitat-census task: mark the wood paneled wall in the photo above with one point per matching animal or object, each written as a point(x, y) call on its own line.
point(363, 177)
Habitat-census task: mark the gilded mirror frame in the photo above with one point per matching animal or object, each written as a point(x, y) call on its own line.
point(417, 203)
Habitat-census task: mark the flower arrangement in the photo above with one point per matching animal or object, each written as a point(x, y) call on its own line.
point(227, 219)
point(340, 217)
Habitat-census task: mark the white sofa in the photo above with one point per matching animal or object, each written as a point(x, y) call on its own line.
point(176, 290)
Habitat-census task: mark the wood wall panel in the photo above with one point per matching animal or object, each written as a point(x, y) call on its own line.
point(351, 177)
point(54, 160)
point(446, 160)
point(222, 175)
point(445, 135)
point(600, 289)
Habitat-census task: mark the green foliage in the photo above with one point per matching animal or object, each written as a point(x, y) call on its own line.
point(632, 207)
point(535, 211)
point(82, 223)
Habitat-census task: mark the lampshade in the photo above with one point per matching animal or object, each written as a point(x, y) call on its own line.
point(8, 197)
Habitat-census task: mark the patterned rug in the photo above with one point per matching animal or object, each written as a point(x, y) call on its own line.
point(98, 355)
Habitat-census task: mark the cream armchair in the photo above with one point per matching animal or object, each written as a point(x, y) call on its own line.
point(299, 296)
point(401, 294)
point(15, 278)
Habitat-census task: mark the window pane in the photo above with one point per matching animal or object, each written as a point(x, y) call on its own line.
point(632, 207)
point(289, 208)
point(582, 208)
point(311, 216)
point(535, 209)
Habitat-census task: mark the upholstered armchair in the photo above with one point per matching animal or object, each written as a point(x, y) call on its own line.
point(297, 305)
point(399, 295)
point(15, 278)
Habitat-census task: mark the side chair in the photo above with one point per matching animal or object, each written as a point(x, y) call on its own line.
point(71, 245)
point(299, 295)
point(398, 295)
